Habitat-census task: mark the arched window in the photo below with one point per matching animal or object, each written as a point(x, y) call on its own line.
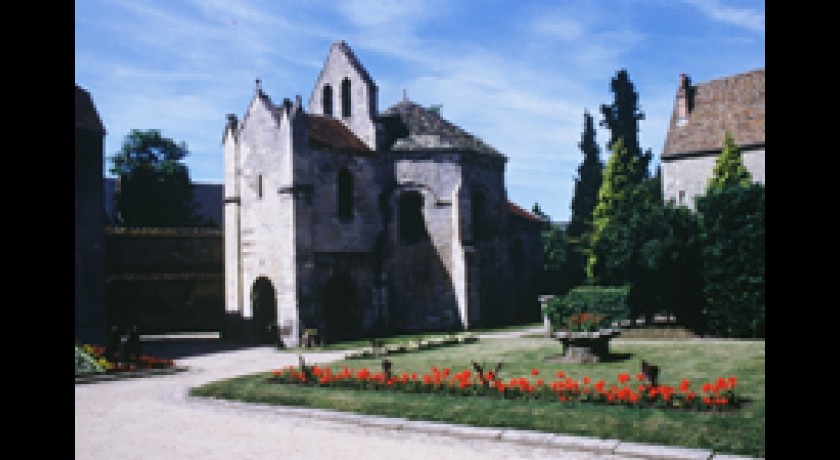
point(412, 226)
point(478, 207)
point(345, 194)
point(327, 100)
point(345, 98)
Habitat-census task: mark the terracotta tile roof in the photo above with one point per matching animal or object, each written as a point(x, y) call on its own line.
point(426, 129)
point(734, 103)
point(517, 211)
point(331, 134)
point(86, 116)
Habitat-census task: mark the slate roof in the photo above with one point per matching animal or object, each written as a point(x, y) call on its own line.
point(327, 133)
point(734, 103)
point(87, 117)
point(425, 129)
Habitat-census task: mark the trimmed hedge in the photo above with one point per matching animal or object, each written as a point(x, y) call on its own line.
point(610, 301)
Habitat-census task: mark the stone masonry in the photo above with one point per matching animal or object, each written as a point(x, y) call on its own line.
point(355, 223)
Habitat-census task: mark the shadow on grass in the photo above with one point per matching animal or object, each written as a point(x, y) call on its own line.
point(610, 358)
point(616, 357)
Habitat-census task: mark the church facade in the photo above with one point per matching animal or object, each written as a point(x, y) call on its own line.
point(359, 223)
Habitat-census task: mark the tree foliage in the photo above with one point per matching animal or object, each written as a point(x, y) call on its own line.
point(154, 185)
point(622, 119)
point(733, 251)
point(590, 175)
point(608, 252)
point(729, 167)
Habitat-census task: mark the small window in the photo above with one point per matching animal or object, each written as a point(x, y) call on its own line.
point(412, 227)
point(681, 198)
point(346, 103)
point(345, 194)
point(327, 100)
point(259, 186)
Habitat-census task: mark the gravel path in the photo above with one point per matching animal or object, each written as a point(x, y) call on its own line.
point(154, 418)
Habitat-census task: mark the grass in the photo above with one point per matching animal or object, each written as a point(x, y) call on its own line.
point(739, 433)
point(361, 343)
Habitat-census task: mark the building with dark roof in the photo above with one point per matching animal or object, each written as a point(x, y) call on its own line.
point(358, 223)
point(702, 114)
point(89, 265)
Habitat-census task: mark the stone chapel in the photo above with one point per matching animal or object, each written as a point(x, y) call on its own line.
point(360, 223)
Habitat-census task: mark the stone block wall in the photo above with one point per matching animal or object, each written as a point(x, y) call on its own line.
point(687, 177)
point(165, 280)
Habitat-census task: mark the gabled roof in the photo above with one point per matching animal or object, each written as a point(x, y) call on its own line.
point(426, 129)
point(87, 117)
point(342, 47)
point(327, 133)
point(518, 211)
point(734, 104)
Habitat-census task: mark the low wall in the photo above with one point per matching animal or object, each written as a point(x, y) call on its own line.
point(165, 279)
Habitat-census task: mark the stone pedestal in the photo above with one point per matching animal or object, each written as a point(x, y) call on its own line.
point(586, 347)
point(546, 322)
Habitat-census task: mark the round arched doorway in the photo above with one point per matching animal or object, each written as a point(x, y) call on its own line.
point(264, 311)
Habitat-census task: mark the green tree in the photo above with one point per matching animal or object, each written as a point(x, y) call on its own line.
point(732, 222)
point(622, 119)
point(668, 277)
point(590, 175)
point(729, 167)
point(610, 248)
point(154, 185)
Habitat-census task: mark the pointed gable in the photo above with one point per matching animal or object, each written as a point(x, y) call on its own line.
point(704, 111)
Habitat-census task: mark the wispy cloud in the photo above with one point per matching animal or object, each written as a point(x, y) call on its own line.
point(746, 18)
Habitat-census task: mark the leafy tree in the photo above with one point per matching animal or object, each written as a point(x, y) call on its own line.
point(154, 185)
point(590, 175)
point(622, 118)
point(732, 222)
point(729, 167)
point(610, 245)
point(560, 274)
point(668, 276)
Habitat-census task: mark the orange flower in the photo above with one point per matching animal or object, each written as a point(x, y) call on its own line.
point(535, 372)
point(707, 388)
point(561, 374)
point(539, 382)
point(732, 381)
point(623, 377)
point(684, 385)
point(640, 377)
point(707, 400)
point(585, 380)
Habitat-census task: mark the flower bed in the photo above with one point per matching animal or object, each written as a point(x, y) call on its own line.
point(412, 345)
point(717, 395)
point(90, 359)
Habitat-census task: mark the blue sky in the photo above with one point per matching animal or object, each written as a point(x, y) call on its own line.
point(518, 74)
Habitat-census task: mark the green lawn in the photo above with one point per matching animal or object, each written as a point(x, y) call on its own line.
point(740, 433)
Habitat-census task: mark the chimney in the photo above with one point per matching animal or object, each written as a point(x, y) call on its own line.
point(684, 100)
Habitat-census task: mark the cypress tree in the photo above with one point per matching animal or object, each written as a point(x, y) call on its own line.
point(590, 175)
point(729, 167)
point(622, 119)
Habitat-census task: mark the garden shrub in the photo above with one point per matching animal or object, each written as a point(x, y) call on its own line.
point(609, 301)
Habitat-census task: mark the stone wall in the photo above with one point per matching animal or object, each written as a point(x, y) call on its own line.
point(165, 280)
point(686, 177)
